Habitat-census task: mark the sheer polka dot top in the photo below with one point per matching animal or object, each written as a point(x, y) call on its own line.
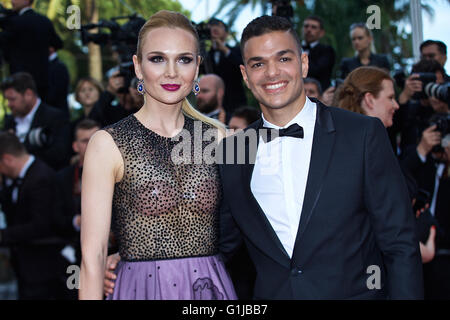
point(166, 205)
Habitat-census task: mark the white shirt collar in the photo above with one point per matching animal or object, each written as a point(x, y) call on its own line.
point(29, 117)
point(213, 113)
point(21, 12)
point(312, 44)
point(53, 56)
point(27, 165)
point(305, 118)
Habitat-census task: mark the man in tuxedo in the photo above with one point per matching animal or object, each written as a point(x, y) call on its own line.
point(25, 41)
point(29, 199)
point(43, 130)
point(321, 57)
point(59, 79)
point(224, 61)
point(315, 192)
point(70, 181)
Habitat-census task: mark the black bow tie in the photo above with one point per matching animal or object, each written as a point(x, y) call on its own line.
point(294, 130)
point(306, 47)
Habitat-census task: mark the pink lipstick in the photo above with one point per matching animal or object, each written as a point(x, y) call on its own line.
point(171, 87)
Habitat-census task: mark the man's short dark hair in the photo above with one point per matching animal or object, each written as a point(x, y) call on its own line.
point(86, 124)
point(215, 21)
point(248, 113)
point(266, 24)
point(314, 81)
point(316, 18)
point(441, 46)
point(20, 81)
point(10, 144)
point(428, 65)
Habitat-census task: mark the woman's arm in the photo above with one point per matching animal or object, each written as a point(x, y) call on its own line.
point(103, 166)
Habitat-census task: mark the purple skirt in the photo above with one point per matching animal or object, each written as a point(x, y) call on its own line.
point(196, 278)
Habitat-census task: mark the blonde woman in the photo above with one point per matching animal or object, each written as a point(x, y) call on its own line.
point(164, 215)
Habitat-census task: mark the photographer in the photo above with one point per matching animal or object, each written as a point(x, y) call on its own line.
point(24, 42)
point(435, 50)
point(225, 61)
point(43, 129)
point(109, 108)
point(418, 104)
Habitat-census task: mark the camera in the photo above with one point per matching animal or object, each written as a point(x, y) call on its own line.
point(442, 122)
point(426, 78)
point(123, 40)
point(283, 9)
point(203, 30)
point(438, 91)
point(39, 137)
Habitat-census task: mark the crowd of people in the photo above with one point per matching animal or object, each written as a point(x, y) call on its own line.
point(340, 186)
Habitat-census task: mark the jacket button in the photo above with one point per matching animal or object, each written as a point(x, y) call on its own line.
point(296, 271)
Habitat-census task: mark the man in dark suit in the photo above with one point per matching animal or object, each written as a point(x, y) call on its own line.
point(429, 166)
point(29, 200)
point(319, 198)
point(70, 181)
point(321, 57)
point(224, 61)
point(25, 41)
point(43, 130)
point(59, 79)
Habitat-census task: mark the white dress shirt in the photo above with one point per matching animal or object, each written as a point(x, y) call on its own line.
point(23, 124)
point(279, 177)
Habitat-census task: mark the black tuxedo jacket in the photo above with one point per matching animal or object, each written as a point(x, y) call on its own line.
point(228, 69)
point(425, 175)
point(321, 62)
point(31, 233)
point(356, 214)
point(58, 85)
point(57, 152)
point(25, 42)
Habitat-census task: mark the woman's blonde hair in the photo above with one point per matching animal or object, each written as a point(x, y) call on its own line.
point(170, 19)
point(360, 81)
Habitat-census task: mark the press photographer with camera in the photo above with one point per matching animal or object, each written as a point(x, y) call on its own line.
point(43, 130)
point(109, 107)
point(425, 153)
point(423, 101)
point(224, 61)
point(24, 41)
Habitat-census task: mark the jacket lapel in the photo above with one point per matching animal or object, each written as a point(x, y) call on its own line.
point(322, 148)
point(274, 244)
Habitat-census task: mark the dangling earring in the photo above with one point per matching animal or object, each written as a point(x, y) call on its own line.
point(196, 88)
point(140, 86)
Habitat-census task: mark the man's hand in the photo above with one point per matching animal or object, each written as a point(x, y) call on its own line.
point(428, 249)
point(328, 95)
point(430, 138)
point(412, 85)
point(219, 44)
point(110, 276)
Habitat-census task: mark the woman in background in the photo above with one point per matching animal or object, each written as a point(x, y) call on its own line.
point(362, 42)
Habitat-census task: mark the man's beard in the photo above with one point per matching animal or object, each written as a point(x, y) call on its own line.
point(207, 106)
